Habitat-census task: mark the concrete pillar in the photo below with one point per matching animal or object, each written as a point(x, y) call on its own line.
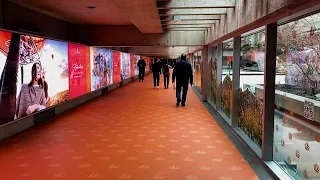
point(205, 73)
point(235, 80)
point(269, 91)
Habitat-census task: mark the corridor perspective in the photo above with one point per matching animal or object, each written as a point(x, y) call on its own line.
point(121, 136)
point(71, 106)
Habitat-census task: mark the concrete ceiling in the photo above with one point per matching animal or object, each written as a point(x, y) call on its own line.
point(192, 14)
point(142, 13)
point(161, 51)
point(149, 16)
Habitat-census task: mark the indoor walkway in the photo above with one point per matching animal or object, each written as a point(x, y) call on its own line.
point(134, 132)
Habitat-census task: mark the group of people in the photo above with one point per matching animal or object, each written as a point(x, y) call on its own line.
point(157, 68)
point(181, 77)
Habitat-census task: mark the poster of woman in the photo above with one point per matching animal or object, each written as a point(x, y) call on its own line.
point(101, 65)
point(34, 76)
point(43, 76)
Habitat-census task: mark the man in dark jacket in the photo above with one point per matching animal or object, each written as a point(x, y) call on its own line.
point(142, 68)
point(156, 69)
point(183, 73)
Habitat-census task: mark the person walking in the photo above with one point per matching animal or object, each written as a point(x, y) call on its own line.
point(182, 72)
point(142, 68)
point(156, 69)
point(166, 74)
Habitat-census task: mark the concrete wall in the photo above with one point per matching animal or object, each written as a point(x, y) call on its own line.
point(252, 14)
point(131, 36)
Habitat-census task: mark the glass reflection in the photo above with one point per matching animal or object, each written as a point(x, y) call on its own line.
point(297, 99)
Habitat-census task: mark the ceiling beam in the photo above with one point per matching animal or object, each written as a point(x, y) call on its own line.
point(189, 12)
point(186, 26)
point(159, 50)
point(192, 17)
point(190, 4)
point(132, 36)
point(189, 22)
point(186, 29)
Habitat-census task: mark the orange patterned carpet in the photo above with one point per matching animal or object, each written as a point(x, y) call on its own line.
point(134, 132)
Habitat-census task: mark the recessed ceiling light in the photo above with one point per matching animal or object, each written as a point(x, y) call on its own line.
point(91, 7)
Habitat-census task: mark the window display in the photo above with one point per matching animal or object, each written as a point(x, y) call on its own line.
point(251, 85)
point(226, 85)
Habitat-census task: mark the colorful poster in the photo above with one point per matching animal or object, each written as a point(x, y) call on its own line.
point(116, 66)
point(7, 94)
point(136, 68)
point(125, 66)
point(148, 62)
point(43, 63)
point(77, 70)
point(101, 68)
point(132, 65)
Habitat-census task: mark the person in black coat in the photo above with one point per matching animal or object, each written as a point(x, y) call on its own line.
point(166, 74)
point(142, 68)
point(183, 74)
point(156, 69)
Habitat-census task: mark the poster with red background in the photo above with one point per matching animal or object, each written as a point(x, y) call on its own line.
point(77, 70)
point(132, 65)
point(116, 66)
point(147, 59)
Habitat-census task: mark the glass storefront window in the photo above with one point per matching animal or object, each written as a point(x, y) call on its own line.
point(297, 98)
point(226, 85)
point(251, 85)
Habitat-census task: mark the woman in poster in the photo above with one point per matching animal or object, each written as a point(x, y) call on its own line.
point(96, 72)
point(32, 96)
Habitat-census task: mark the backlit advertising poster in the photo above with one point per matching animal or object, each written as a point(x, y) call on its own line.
point(36, 76)
point(7, 94)
point(116, 66)
point(101, 68)
point(136, 68)
point(45, 61)
point(147, 59)
point(77, 70)
point(132, 65)
point(125, 66)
